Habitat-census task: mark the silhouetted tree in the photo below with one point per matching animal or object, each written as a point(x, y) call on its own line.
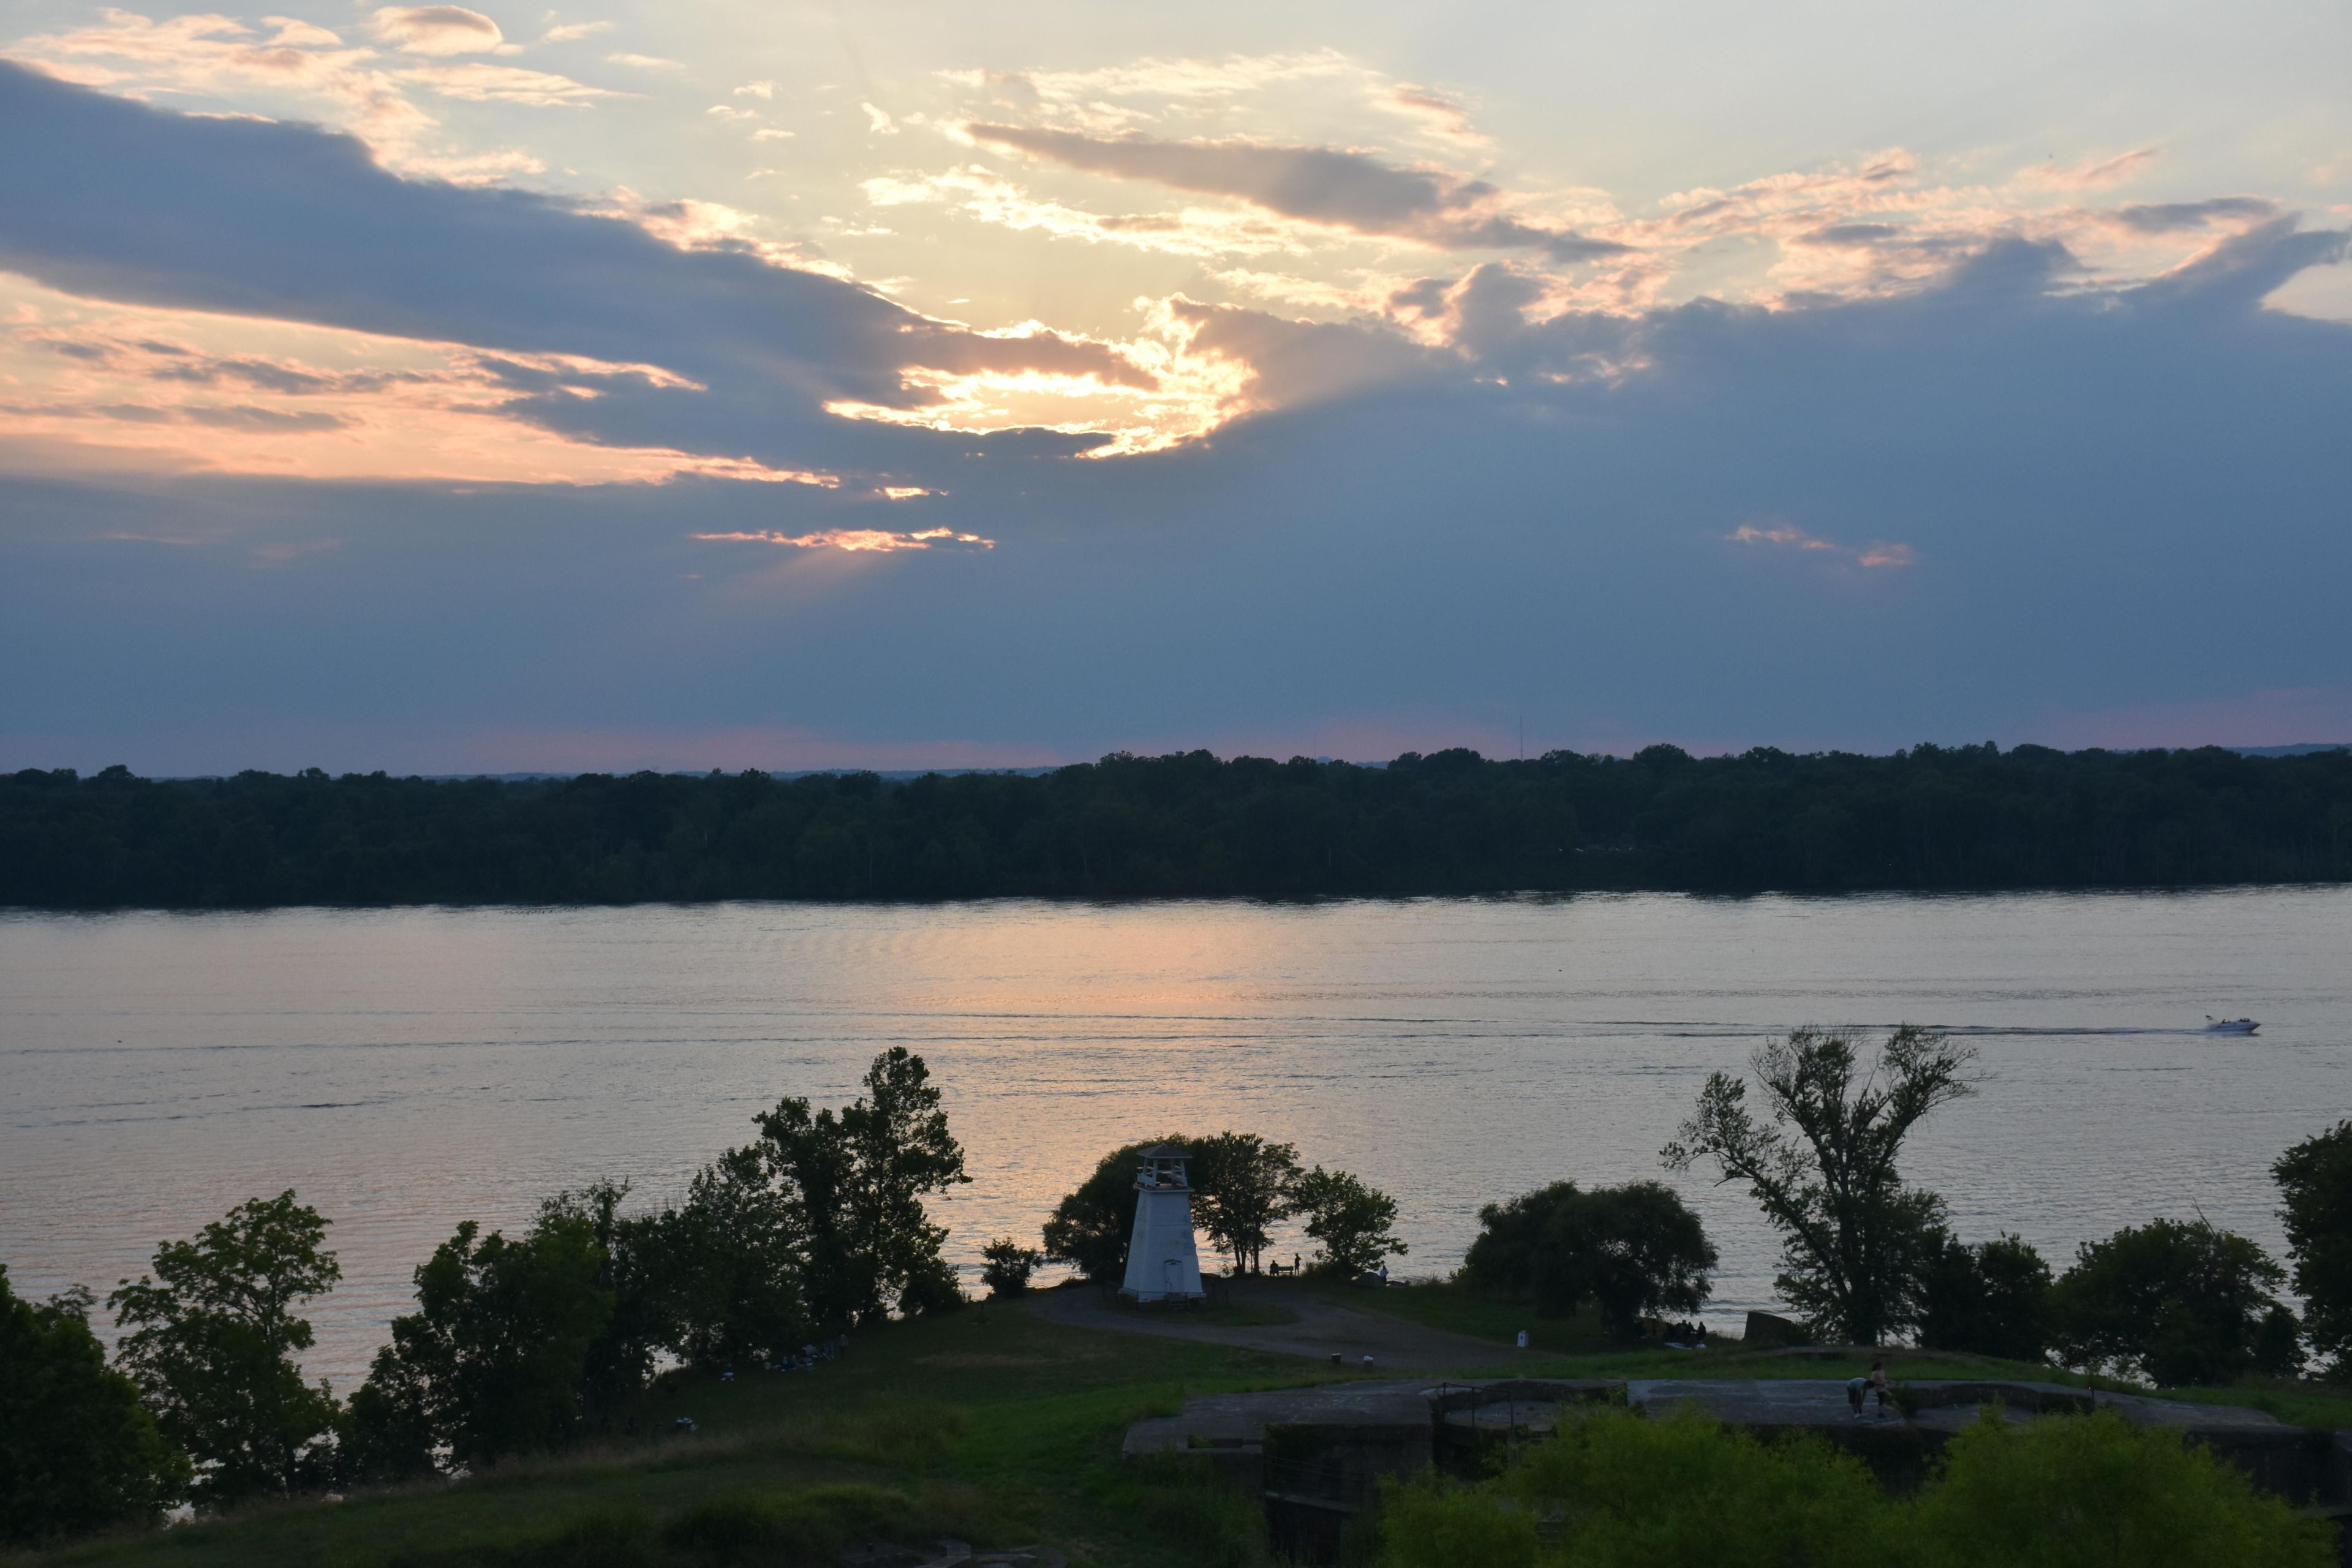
point(2315, 1180)
point(1353, 1222)
point(1855, 1240)
point(1992, 1299)
point(78, 1451)
point(1242, 1187)
point(2180, 1301)
point(1008, 1266)
point(211, 1339)
point(1635, 1251)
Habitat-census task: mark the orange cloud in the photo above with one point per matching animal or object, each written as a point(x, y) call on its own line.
point(879, 541)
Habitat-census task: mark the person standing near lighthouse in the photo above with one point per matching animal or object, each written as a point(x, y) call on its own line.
point(1163, 1263)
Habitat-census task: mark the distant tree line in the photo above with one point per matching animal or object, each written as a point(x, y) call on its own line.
point(1930, 817)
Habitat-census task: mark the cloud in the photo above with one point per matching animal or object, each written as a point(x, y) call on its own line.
point(857, 541)
point(284, 222)
point(571, 32)
point(2171, 218)
point(477, 82)
point(436, 30)
point(1325, 185)
point(756, 89)
point(645, 62)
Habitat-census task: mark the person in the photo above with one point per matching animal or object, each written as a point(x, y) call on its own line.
point(1294, 1263)
point(1878, 1382)
point(1854, 1392)
point(1384, 1273)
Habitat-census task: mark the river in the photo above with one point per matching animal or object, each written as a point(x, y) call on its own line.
point(404, 1069)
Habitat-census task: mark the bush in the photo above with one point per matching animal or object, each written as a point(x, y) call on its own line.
point(2314, 1178)
point(1434, 1525)
point(78, 1450)
point(1637, 1251)
point(1007, 1265)
point(2088, 1491)
point(1992, 1299)
point(2178, 1301)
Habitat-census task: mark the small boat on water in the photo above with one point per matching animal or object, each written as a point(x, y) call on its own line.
point(2230, 1026)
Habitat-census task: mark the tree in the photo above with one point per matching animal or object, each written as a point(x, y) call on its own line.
point(1091, 1227)
point(211, 1340)
point(1241, 1189)
point(858, 1181)
point(1635, 1251)
point(2314, 1178)
point(1992, 1299)
point(78, 1449)
point(1354, 1223)
point(1855, 1240)
point(731, 1265)
point(1008, 1266)
point(2179, 1301)
point(494, 1360)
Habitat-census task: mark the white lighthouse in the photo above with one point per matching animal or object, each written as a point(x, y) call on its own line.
point(1162, 1264)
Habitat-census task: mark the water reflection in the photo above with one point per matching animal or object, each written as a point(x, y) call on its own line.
point(404, 1069)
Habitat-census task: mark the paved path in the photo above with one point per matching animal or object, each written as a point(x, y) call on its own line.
point(1323, 1329)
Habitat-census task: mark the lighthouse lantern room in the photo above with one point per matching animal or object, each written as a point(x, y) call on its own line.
point(1162, 1263)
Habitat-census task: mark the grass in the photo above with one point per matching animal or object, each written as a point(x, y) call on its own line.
point(990, 1425)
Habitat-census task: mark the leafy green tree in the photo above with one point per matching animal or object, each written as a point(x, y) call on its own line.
point(858, 1181)
point(78, 1451)
point(2094, 1492)
point(1635, 1251)
point(1242, 1187)
point(1855, 1240)
point(2180, 1301)
point(1091, 1227)
point(1992, 1299)
point(1008, 1266)
point(494, 1361)
point(211, 1337)
point(730, 1266)
point(2315, 1180)
point(1354, 1223)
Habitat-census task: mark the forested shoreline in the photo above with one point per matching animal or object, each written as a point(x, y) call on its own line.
point(1929, 818)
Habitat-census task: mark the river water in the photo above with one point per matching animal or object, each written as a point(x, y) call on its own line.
point(406, 1069)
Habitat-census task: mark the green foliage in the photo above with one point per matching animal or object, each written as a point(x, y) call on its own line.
point(1992, 1299)
point(2180, 1301)
point(1855, 1240)
point(1434, 1525)
point(727, 1269)
point(1242, 1185)
point(1182, 1502)
point(1933, 816)
point(857, 1182)
point(494, 1360)
point(759, 1528)
point(1618, 1490)
point(1090, 1228)
point(1007, 1266)
point(1634, 1251)
point(210, 1338)
point(2094, 1491)
point(1355, 1223)
point(2315, 1180)
point(78, 1449)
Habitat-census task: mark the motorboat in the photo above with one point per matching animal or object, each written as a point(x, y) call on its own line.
point(2230, 1026)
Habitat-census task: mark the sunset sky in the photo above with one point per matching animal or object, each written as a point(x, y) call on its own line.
point(732, 384)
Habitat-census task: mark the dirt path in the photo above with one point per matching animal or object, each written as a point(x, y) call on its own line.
point(1323, 1329)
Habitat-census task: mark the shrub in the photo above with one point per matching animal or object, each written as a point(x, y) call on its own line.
point(78, 1450)
point(2179, 1301)
point(2091, 1491)
point(1007, 1265)
point(1992, 1299)
point(1432, 1525)
point(1637, 1251)
point(2314, 1178)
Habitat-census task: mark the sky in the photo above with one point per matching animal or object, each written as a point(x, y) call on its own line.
point(728, 385)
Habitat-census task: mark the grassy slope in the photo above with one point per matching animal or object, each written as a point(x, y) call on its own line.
point(997, 1427)
point(992, 1425)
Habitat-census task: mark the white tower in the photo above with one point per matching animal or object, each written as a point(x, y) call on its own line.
point(1162, 1264)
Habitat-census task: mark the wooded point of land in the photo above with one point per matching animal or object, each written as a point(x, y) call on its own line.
point(1933, 817)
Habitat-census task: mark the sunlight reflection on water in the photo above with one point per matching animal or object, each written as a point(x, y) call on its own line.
point(404, 1069)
